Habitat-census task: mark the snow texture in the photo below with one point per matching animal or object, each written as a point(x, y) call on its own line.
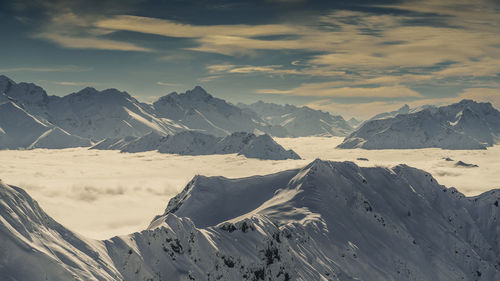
point(196, 143)
point(199, 110)
point(301, 121)
point(97, 115)
point(325, 221)
point(463, 125)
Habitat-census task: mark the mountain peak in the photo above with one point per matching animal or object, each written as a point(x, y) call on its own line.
point(467, 101)
point(91, 91)
point(5, 78)
point(198, 92)
point(404, 108)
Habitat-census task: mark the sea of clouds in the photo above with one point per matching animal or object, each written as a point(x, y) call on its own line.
point(105, 193)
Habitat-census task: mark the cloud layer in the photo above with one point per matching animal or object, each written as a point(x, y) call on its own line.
point(105, 193)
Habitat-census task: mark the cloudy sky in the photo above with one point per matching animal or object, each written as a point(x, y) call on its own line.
point(355, 58)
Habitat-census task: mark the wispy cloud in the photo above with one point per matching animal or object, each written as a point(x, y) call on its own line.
point(326, 90)
point(168, 84)
point(353, 53)
point(174, 29)
point(249, 69)
point(88, 42)
point(71, 83)
point(70, 30)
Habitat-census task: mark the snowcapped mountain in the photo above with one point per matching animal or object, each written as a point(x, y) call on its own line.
point(463, 125)
point(301, 121)
point(18, 128)
point(78, 117)
point(96, 115)
point(326, 221)
point(196, 143)
point(353, 122)
point(110, 113)
point(29, 95)
point(199, 110)
point(57, 138)
point(405, 109)
point(35, 247)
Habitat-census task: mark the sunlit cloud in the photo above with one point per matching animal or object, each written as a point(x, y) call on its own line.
point(168, 84)
point(91, 43)
point(325, 90)
point(249, 69)
point(337, 53)
point(174, 29)
point(71, 83)
point(69, 30)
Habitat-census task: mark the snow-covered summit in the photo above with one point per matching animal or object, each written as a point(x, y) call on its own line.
point(301, 121)
point(23, 93)
point(325, 221)
point(33, 246)
point(405, 109)
point(197, 143)
point(464, 125)
point(340, 219)
point(200, 111)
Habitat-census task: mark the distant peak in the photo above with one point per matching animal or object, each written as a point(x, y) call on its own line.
point(318, 163)
point(110, 91)
point(5, 78)
point(466, 101)
point(198, 92)
point(88, 90)
point(198, 88)
point(405, 107)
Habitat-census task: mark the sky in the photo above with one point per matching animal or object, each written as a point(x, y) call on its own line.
point(354, 58)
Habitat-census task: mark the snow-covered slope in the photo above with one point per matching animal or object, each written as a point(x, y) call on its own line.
point(89, 113)
point(463, 125)
point(196, 143)
point(18, 128)
point(57, 138)
point(110, 113)
point(353, 122)
point(30, 96)
point(405, 109)
point(326, 221)
point(199, 110)
point(35, 247)
point(301, 121)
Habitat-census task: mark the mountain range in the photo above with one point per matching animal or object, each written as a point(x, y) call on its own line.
point(196, 143)
point(325, 221)
point(301, 121)
point(463, 125)
point(89, 116)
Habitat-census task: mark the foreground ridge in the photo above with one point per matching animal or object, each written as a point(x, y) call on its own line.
point(325, 221)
